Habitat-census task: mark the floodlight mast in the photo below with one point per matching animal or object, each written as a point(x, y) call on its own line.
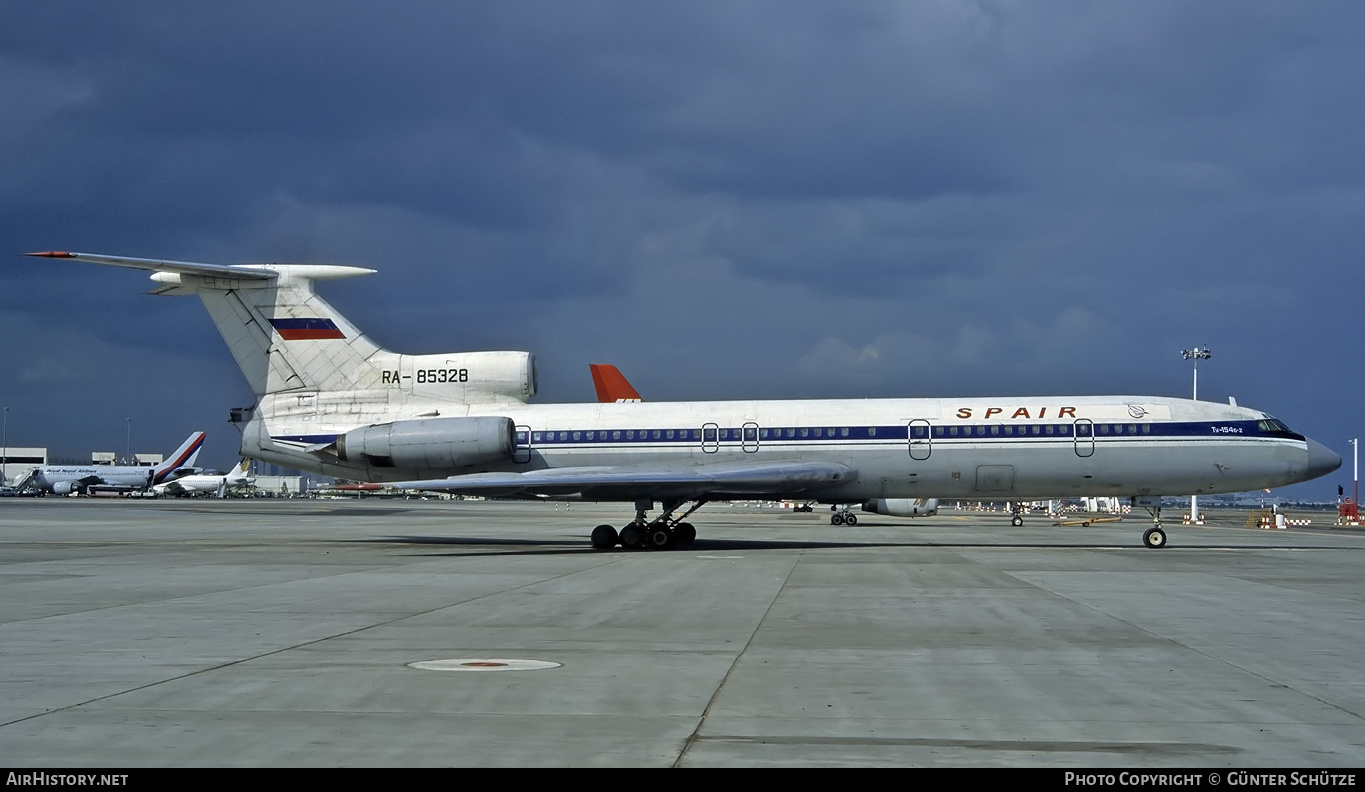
point(1356, 474)
point(1197, 354)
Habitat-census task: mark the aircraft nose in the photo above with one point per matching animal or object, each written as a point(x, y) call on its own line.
point(1321, 460)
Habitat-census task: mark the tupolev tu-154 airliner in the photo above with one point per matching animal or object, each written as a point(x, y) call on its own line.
point(331, 401)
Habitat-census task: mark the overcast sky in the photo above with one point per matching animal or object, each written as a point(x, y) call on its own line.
point(726, 200)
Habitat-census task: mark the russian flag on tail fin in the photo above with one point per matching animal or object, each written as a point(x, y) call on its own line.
point(307, 328)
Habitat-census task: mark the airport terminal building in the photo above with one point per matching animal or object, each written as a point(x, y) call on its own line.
point(16, 462)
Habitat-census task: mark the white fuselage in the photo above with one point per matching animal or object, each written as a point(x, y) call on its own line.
point(200, 482)
point(1009, 448)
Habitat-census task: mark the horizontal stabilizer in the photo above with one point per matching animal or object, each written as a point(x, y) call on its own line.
point(258, 272)
point(250, 272)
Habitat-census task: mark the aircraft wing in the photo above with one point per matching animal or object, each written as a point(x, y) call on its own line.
point(658, 482)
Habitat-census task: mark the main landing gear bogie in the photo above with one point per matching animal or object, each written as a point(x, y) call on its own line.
point(661, 533)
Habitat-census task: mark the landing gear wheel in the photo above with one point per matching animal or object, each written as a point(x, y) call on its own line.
point(685, 533)
point(837, 519)
point(631, 536)
point(604, 537)
point(850, 519)
point(1155, 537)
point(1016, 521)
point(660, 537)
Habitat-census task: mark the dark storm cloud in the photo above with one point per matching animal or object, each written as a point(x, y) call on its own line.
point(727, 200)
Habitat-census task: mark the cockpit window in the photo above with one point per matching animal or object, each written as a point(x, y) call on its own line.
point(1269, 424)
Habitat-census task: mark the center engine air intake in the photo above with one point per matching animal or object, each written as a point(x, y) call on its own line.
point(430, 443)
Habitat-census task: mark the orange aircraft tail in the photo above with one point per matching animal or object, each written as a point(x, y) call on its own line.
point(611, 384)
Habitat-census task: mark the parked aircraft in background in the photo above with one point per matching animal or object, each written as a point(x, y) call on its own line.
point(902, 507)
point(217, 483)
point(611, 384)
point(331, 401)
point(892, 507)
point(66, 479)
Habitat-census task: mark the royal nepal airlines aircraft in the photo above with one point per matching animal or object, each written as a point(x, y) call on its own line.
point(331, 401)
point(66, 479)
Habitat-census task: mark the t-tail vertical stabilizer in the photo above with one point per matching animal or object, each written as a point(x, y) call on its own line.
point(314, 374)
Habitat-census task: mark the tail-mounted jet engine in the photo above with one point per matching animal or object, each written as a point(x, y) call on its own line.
point(429, 443)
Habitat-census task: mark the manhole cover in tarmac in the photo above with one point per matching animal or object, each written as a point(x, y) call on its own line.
point(482, 664)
